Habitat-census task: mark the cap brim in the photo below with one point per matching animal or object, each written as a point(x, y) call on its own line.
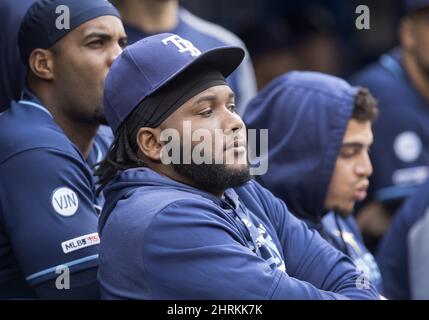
point(223, 59)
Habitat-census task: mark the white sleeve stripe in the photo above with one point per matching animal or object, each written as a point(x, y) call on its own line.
point(68, 264)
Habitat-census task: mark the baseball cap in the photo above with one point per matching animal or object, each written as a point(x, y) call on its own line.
point(148, 65)
point(414, 5)
point(43, 25)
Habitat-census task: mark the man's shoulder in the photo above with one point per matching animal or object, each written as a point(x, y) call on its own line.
point(375, 77)
point(255, 191)
point(156, 200)
point(155, 197)
point(390, 85)
point(143, 206)
point(19, 133)
point(415, 207)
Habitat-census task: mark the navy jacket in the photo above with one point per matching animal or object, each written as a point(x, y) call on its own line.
point(161, 239)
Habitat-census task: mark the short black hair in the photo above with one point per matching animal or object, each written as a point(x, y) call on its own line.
point(365, 106)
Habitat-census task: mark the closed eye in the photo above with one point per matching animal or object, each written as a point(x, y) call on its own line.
point(348, 151)
point(206, 112)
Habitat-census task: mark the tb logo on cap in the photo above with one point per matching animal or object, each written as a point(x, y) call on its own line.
point(183, 45)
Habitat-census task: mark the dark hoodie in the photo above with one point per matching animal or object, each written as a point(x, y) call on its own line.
point(161, 239)
point(306, 114)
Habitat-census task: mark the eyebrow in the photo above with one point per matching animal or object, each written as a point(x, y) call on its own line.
point(102, 35)
point(211, 98)
point(98, 35)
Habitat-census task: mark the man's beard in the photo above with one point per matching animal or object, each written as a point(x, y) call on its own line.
point(212, 176)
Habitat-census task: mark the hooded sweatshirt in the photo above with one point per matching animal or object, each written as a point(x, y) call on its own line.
point(306, 114)
point(161, 239)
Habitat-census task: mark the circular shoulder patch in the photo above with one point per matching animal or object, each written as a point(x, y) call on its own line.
point(65, 201)
point(408, 146)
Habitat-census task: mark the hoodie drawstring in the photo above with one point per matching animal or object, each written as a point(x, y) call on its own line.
point(340, 230)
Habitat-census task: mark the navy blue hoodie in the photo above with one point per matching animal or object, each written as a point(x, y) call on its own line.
point(161, 239)
point(306, 114)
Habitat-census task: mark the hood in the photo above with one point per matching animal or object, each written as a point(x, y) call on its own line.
point(129, 181)
point(306, 114)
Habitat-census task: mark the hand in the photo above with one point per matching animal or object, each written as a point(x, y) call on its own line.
point(374, 220)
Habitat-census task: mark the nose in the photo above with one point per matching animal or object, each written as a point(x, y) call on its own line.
point(114, 53)
point(232, 122)
point(364, 167)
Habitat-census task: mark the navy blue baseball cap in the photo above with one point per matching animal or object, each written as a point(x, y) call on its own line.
point(43, 24)
point(414, 5)
point(148, 65)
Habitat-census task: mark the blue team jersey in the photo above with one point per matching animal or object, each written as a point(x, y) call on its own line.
point(161, 239)
point(400, 153)
point(205, 35)
point(12, 71)
point(48, 214)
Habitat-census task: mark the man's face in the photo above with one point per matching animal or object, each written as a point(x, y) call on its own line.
point(212, 113)
point(84, 58)
point(349, 181)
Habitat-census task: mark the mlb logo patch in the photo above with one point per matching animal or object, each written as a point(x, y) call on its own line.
point(80, 242)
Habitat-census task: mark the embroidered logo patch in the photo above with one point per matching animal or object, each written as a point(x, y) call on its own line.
point(80, 242)
point(65, 201)
point(408, 146)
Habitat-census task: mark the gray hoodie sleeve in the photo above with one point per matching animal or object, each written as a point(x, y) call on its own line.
point(418, 258)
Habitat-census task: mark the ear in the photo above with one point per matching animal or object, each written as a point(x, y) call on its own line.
point(41, 63)
point(149, 142)
point(407, 33)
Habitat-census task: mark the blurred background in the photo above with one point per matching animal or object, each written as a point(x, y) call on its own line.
point(317, 35)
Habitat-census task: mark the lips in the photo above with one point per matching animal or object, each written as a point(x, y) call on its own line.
point(361, 192)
